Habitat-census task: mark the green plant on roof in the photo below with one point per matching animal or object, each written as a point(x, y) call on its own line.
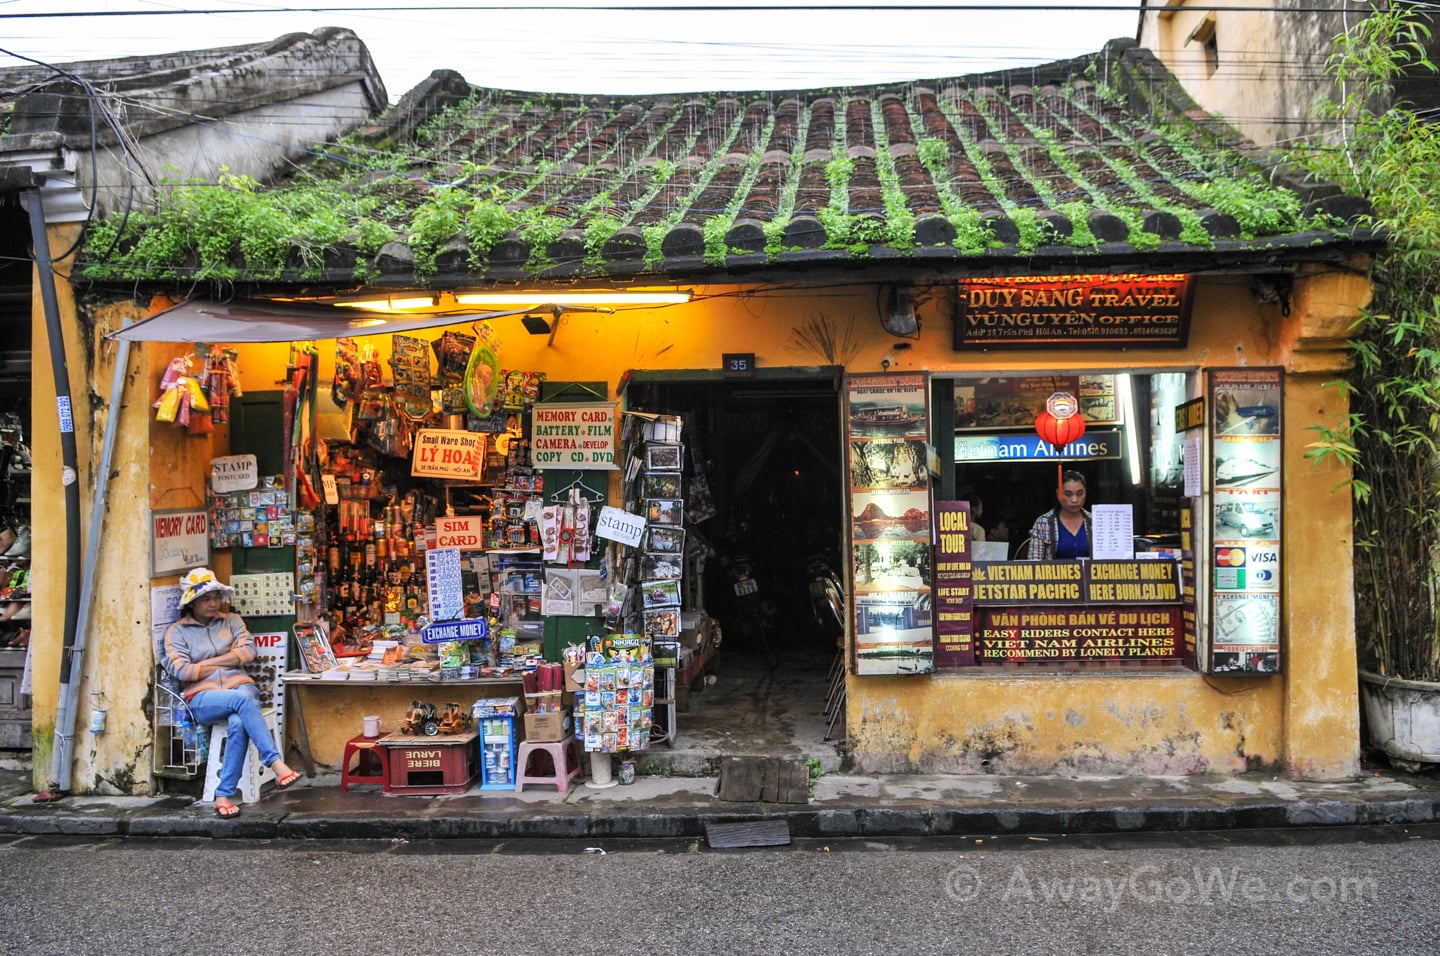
point(713, 233)
point(437, 222)
point(539, 232)
point(231, 229)
point(1259, 208)
point(899, 218)
point(486, 223)
point(598, 231)
point(933, 154)
point(1079, 215)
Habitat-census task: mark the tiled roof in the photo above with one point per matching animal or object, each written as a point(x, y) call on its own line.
point(1099, 162)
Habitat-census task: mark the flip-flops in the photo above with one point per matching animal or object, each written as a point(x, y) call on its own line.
point(289, 780)
point(227, 811)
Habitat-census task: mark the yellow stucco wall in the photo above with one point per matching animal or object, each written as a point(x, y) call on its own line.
point(1170, 722)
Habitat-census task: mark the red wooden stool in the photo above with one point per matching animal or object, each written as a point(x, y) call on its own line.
point(372, 762)
point(566, 760)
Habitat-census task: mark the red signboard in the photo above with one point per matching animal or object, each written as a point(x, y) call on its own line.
point(1104, 310)
point(1093, 633)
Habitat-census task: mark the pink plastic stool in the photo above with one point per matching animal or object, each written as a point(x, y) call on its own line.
point(566, 760)
point(364, 750)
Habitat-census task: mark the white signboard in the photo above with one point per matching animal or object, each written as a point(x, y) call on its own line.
point(621, 526)
point(447, 453)
point(1114, 527)
point(233, 473)
point(465, 533)
point(179, 541)
point(447, 590)
point(573, 436)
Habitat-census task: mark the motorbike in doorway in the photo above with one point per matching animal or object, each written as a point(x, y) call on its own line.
point(754, 614)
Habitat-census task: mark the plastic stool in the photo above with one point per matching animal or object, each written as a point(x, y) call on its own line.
point(365, 750)
point(566, 759)
point(252, 776)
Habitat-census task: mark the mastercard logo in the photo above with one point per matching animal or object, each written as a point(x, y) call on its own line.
point(1230, 557)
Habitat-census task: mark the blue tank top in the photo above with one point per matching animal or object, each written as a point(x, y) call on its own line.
point(1069, 545)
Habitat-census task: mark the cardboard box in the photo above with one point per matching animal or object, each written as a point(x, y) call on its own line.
point(543, 728)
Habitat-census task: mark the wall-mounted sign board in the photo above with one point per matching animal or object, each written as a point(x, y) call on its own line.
point(1151, 311)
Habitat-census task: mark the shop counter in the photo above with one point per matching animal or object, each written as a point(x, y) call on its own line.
point(345, 702)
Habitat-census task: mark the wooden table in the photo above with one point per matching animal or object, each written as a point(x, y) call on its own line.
point(296, 680)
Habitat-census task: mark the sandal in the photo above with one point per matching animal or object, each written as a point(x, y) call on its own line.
point(226, 810)
point(289, 780)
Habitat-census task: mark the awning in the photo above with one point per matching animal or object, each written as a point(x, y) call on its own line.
point(205, 321)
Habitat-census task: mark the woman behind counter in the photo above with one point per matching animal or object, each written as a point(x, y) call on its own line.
point(206, 651)
point(1063, 531)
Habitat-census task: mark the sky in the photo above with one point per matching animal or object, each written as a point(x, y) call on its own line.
point(637, 49)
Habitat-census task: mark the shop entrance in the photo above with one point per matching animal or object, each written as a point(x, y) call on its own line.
point(770, 451)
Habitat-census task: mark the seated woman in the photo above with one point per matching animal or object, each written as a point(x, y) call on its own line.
point(206, 651)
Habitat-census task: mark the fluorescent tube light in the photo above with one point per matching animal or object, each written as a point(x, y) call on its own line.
point(394, 303)
point(1132, 427)
point(544, 297)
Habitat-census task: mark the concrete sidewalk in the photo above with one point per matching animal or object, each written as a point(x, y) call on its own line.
point(843, 805)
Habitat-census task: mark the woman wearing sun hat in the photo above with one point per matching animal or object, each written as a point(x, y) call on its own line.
point(206, 651)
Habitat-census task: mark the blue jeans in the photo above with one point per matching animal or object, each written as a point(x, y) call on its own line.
point(240, 708)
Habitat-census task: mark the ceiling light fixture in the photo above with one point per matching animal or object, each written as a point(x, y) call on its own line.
point(557, 297)
point(393, 303)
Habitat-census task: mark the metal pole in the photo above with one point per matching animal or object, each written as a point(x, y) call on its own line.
point(70, 479)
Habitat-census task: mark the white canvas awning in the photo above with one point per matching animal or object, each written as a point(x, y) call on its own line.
point(235, 322)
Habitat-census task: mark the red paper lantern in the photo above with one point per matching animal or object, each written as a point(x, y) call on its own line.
point(1059, 431)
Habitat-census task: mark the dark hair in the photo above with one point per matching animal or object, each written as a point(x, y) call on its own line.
point(1072, 475)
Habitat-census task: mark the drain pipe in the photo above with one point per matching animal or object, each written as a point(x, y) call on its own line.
point(70, 477)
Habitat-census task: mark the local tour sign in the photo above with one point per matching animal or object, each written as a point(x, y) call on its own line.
point(573, 435)
point(1018, 312)
point(954, 611)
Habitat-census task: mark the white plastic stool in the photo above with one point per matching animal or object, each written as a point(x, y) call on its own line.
point(252, 776)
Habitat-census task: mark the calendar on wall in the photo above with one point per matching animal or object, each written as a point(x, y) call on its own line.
point(263, 595)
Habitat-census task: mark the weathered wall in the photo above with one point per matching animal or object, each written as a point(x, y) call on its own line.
point(115, 674)
point(1271, 70)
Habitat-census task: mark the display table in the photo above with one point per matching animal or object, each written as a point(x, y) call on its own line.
point(346, 701)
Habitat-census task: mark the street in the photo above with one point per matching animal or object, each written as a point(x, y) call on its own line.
point(1314, 890)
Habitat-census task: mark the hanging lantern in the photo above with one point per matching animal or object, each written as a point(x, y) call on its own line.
point(1060, 423)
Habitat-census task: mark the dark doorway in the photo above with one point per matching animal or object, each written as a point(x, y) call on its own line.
point(771, 451)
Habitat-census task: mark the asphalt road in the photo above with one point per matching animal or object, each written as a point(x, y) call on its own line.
point(1308, 891)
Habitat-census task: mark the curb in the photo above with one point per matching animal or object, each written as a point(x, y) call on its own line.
point(807, 822)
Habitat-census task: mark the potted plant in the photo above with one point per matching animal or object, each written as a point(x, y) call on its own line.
point(1391, 157)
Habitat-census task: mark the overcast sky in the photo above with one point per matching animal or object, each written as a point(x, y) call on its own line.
point(635, 50)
